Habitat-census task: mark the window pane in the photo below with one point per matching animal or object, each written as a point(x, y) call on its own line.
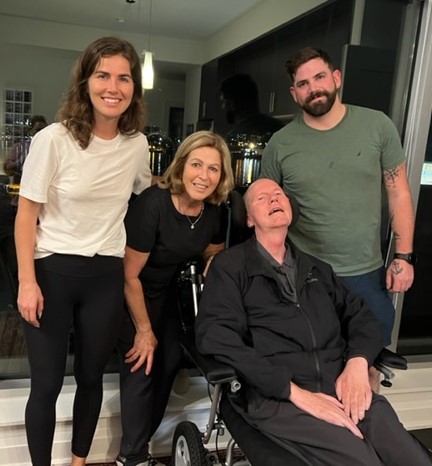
point(415, 335)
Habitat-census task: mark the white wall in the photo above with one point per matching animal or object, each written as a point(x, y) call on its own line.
point(166, 93)
point(45, 72)
point(39, 55)
point(51, 35)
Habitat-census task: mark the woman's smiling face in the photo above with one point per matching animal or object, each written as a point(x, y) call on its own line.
point(202, 172)
point(111, 88)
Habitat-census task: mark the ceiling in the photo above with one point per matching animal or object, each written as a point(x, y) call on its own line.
point(183, 19)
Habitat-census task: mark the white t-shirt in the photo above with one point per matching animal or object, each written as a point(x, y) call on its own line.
point(84, 193)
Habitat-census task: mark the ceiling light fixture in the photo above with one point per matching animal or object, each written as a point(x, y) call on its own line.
point(147, 68)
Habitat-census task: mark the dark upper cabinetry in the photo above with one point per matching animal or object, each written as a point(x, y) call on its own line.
point(264, 59)
point(208, 96)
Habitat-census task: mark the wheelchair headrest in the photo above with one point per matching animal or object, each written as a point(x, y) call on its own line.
point(238, 209)
point(239, 214)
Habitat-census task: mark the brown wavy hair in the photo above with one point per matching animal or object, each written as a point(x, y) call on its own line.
point(172, 178)
point(77, 111)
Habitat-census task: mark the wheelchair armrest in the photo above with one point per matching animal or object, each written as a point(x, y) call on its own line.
point(390, 359)
point(214, 371)
point(387, 359)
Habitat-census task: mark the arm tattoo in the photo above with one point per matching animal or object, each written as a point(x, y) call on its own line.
point(396, 268)
point(391, 175)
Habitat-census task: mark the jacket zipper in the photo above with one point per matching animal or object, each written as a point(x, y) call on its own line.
point(317, 363)
point(314, 343)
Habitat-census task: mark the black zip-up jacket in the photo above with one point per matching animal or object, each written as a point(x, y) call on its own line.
point(245, 321)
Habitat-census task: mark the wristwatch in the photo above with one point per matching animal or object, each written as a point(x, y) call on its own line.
point(410, 257)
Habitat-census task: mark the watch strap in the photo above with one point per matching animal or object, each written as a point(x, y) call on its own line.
point(409, 257)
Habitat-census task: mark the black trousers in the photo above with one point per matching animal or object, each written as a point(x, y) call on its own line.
point(386, 442)
point(144, 397)
point(86, 292)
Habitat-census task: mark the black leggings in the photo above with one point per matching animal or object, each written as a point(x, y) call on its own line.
point(144, 398)
point(86, 292)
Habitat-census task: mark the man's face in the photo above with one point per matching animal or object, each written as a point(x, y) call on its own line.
point(315, 87)
point(267, 206)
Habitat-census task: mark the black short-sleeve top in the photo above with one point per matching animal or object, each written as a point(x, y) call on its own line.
point(154, 225)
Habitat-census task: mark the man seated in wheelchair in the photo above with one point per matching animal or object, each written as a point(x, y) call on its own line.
point(301, 343)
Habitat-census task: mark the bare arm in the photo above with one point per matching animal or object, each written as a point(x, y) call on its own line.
point(145, 342)
point(400, 274)
point(30, 299)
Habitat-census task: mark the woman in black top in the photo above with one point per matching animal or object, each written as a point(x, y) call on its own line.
point(166, 224)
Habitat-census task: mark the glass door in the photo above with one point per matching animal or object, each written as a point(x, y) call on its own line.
point(414, 309)
point(415, 334)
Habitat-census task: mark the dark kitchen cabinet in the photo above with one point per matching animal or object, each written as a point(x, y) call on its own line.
point(328, 26)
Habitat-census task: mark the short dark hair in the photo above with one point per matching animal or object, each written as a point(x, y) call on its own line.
point(37, 119)
point(303, 56)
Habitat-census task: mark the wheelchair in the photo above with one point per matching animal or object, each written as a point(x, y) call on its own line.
point(247, 446)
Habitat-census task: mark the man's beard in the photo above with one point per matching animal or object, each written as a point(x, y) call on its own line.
point(320, 108)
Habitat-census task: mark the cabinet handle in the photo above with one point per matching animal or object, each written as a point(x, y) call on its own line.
point(272, 101)
point(204, 109)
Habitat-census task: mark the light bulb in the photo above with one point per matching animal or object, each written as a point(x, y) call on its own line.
point(147, 71)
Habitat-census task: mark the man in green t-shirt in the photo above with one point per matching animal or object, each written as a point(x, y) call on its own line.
point(335, 158)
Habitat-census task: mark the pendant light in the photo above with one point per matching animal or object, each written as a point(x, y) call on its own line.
point(147, 68)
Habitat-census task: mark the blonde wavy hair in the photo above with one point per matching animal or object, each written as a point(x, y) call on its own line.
point(172, 178)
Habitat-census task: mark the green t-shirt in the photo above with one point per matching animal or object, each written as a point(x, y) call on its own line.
point(336, 176)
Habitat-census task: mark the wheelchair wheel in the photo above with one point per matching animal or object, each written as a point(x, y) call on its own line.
point(188, 449)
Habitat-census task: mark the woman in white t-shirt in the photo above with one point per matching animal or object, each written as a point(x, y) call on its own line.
point(70, 237)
